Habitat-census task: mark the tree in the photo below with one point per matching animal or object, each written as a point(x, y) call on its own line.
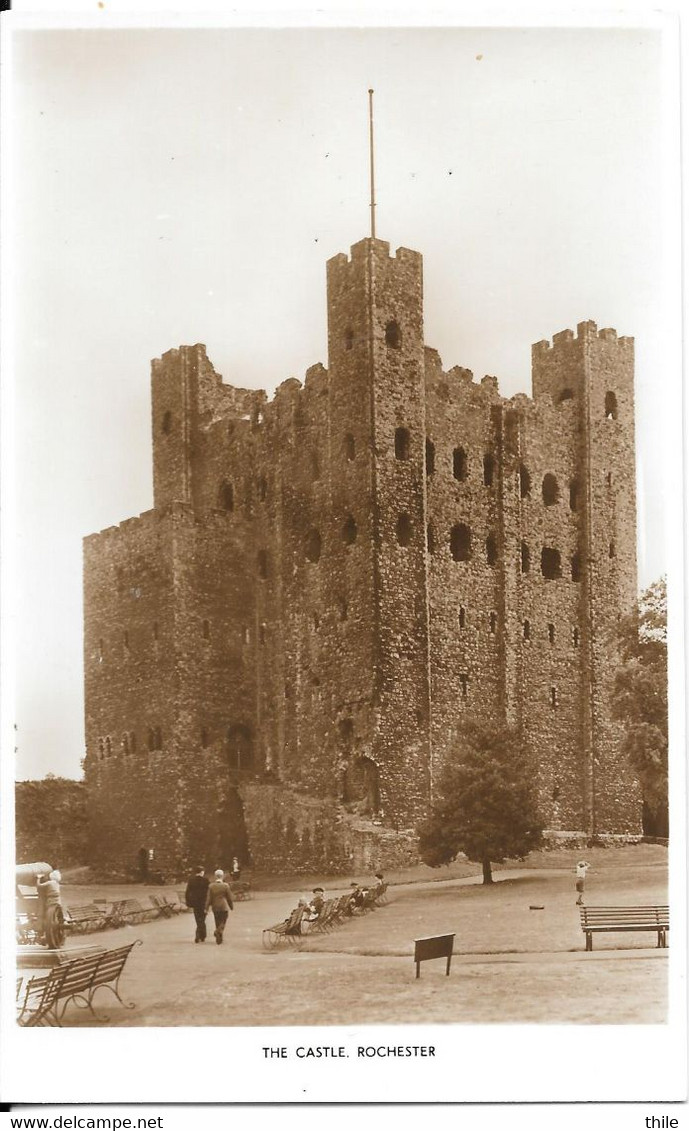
point(639, 700)
point(486, 806)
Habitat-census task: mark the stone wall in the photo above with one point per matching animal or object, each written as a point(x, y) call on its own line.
point(332, 580)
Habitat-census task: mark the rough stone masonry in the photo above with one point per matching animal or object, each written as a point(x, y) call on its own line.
point(278, 656)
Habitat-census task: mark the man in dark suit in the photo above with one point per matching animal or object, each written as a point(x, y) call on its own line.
point(195, 897)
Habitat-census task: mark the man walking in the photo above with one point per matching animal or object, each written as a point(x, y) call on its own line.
point(219, 898)
point(195, 897)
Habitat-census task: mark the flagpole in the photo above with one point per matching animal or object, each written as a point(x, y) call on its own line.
point(370, 140)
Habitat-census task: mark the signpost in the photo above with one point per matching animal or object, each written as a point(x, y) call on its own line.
point(437, 946)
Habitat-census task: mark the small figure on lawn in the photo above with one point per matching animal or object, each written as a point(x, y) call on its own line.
point(236, 870)
point(580, 877)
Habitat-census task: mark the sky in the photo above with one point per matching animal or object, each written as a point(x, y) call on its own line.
point(182, 186)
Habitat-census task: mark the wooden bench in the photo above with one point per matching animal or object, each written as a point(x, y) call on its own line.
point(599, 919)
point(129, 911)
point(164, 907)
point(46, 998)
point(288, 931)
point(86, 917)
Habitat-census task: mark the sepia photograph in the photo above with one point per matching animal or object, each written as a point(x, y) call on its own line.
point(343, 510)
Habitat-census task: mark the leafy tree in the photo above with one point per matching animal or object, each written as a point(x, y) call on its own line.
point(486, 806)
point(639, 700)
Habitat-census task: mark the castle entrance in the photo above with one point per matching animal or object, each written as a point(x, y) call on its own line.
point(361, 790)
point(232, 835)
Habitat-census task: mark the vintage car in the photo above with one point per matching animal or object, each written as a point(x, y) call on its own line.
point(39, 915)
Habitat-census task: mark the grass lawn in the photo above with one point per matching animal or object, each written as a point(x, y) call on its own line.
point(511, 963)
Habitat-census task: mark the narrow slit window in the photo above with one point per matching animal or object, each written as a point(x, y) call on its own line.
point(459, 464)
point(574, 495)
point(349, 339)
point(263, 489)
point(430, 457)
point(464, 684)
point(488, 469)
point(527, 630)
point(610, 406)
point(155, 630)
point(524, 482)
point(491, 550)
point(393, 335)
point(226, 497)
point(404, 530)
point(493, 623)
point(349, 447)
point(125, 641)
point(108, 746)
point(551, 633)
point(401, 443)
point(611, 550)
point(313, 546)
point(460, 543)
point(576, 568)
point(166, 426)
point(101, 748)
point(525, 558)
point(262, 564)
point(206, 630)
point(575, 637)
point(553, 697)
point(204, 738)
point(462, 616)
point(551, 491)
point(349, 531)
point(430, 539)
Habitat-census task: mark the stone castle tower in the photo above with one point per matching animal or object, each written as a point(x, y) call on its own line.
point(279, 655)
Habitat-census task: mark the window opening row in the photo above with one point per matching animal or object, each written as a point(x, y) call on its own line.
point(526, 627)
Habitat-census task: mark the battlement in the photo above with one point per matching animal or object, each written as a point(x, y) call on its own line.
point(585, 332)
point(380, 249)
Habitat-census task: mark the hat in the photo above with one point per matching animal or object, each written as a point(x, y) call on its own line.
point(200, 868)
point(55, 875)
point(219, 873)
point(318, 889)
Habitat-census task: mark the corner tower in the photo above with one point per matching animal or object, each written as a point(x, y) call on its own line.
point(377, 438)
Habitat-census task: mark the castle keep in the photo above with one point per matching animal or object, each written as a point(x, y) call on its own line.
point(278, 656)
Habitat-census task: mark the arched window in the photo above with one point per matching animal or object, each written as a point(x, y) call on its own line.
point(430, 457)
point(573, 494)
point(524, 482)
point(401, 443)
point(349, 339)
point(313, 545)
point(551, 567)
point(393, 335)
point(360, 785)
point(349, 447)
point(166, 426)
point(551, 491)
point(491, 550)
point(488, 469)
point(404, 530)
point(460, 542)
point(565, 395)
point(610, 406)
point(226, 497)
point(239, 748)
point(459, 463)
point(349, 531)
point(576, 567)
point(525, 558)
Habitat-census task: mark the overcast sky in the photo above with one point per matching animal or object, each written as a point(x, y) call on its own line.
point(188, 186)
